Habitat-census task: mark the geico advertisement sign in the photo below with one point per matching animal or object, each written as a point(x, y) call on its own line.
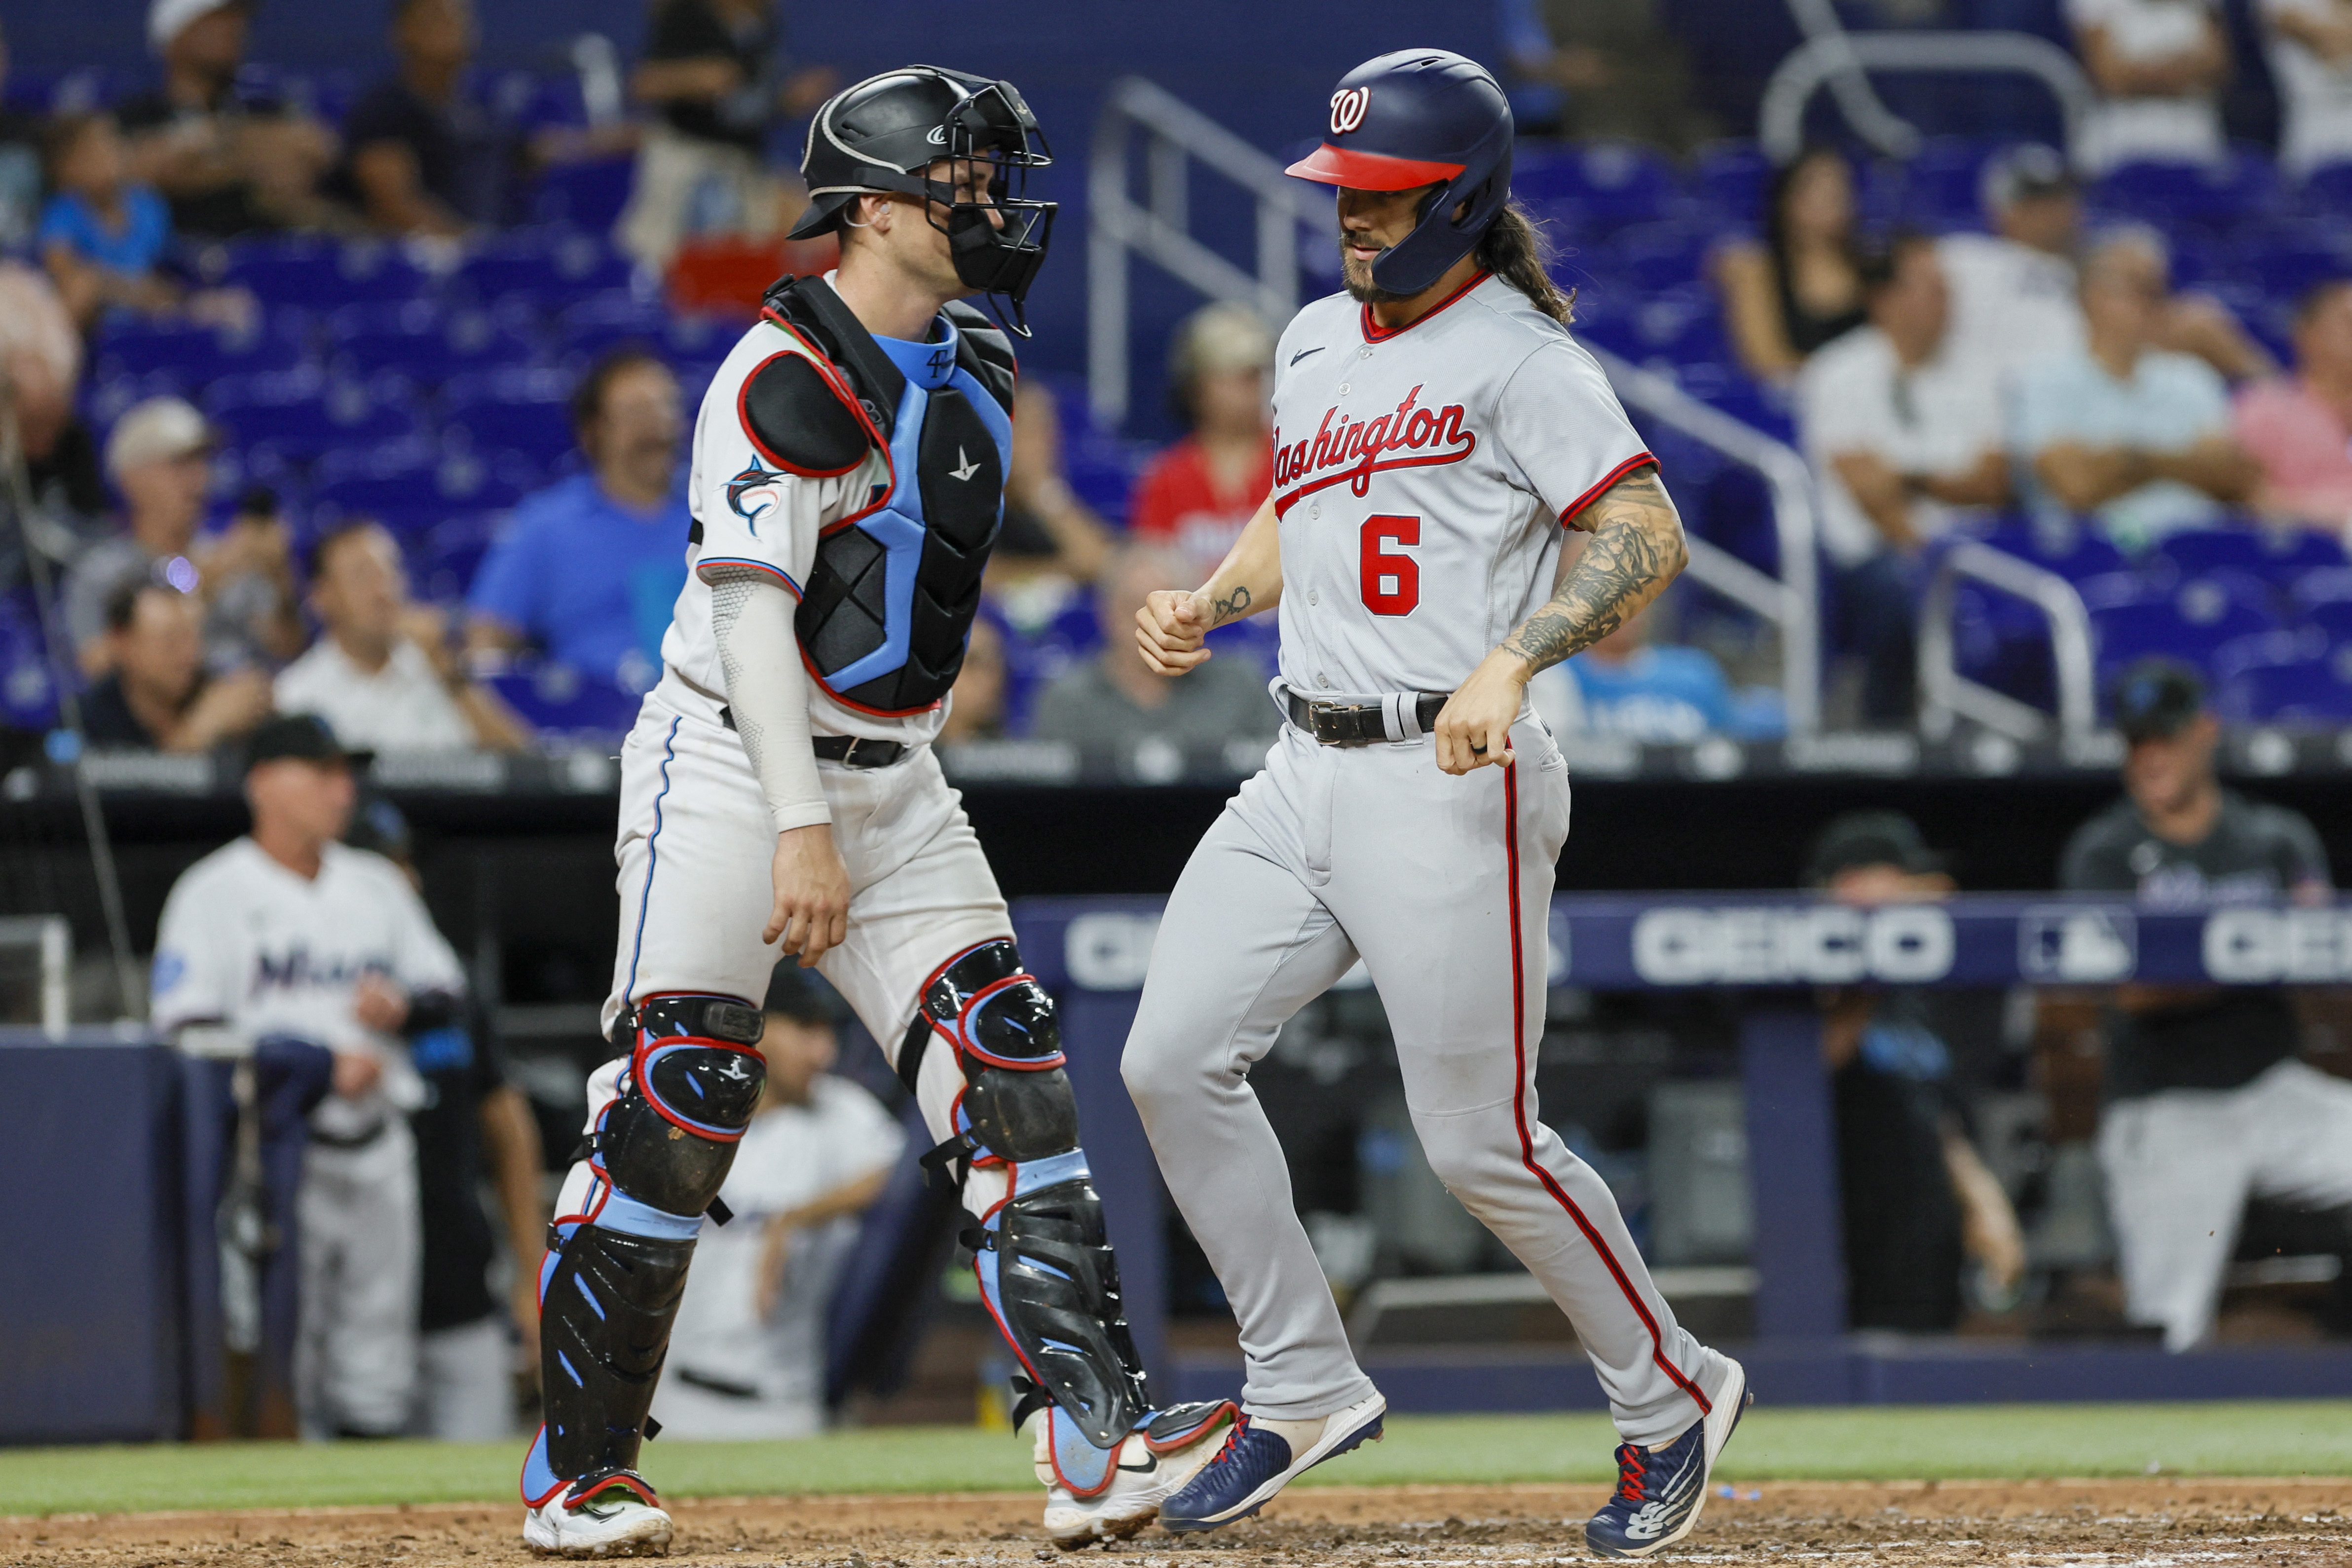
point(1830, 945)
point(2257, 947)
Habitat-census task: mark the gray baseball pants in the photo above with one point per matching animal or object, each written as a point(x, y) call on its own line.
point(1443, 887)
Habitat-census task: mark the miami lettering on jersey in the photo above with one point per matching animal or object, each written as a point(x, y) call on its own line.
point(1359, 448)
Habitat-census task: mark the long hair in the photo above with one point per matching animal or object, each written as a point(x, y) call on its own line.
point(1515, 249)
point(1776, 198)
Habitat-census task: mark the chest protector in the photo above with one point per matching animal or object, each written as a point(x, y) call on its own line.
point(888, 609)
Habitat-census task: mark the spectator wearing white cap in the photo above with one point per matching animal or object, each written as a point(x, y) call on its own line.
point(384, 673)
point(1196, 496)
point(158, 456)
point(228, 163)
point(2159, 67)
point(2015, 295)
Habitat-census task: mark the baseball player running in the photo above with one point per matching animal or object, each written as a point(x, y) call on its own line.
point(1434, 429)
point(779, 795)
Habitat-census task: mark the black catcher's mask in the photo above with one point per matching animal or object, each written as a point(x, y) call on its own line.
point(886, 133)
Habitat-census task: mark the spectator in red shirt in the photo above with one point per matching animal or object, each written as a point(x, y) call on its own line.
point(2299, 428)
point(1198, 494)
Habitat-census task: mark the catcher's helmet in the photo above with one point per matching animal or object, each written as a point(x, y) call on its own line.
point(1421, 117)
point(885, 133)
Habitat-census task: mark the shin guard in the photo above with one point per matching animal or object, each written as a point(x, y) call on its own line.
point(615, 1270)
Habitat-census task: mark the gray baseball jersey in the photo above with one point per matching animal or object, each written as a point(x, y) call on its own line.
point(1421, 476)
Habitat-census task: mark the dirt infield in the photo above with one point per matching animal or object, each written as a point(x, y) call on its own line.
point(2016, 1524)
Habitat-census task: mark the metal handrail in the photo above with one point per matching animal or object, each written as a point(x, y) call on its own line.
point(1175, 132)
point(1791, 602)
point(1834, 56)
point(1945, 694)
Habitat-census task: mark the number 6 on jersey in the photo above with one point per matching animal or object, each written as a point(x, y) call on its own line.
point(1392, 580)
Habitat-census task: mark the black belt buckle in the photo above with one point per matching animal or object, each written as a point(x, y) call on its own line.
point(866, 752)
point(1343, 724)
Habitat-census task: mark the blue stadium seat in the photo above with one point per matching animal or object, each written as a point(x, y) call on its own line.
point(192, 355)
point(442, 563)
point(605, 321)
point(422, 341)
point(2279, 555)
point(2310, 689)
point(589, 195)
point(2192, 622)
point(2073, 552)
point(1658, 255)
point(28, 697)
point(1940, 185)
point(526, 411)
point(2216, 195)
point(2334, 619)
point(302, 414)
point(325, 274)
point(412, 481)
point(1599, 187)
point(1730, 180)
point(554, 264)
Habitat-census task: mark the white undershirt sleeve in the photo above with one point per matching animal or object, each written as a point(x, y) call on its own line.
point(767, 691)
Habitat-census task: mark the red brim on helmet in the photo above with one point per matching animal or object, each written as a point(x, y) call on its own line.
point(1370, 171)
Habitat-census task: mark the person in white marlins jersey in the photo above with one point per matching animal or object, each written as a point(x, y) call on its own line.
point(779, 795)
point(1437, 429)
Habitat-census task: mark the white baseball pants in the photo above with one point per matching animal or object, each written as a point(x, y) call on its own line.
point(363, 1250)
point(2181, 1164)
point(1443, 887)
point(694, 852)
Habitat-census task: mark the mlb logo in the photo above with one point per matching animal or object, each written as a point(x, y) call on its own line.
point(2077, 946)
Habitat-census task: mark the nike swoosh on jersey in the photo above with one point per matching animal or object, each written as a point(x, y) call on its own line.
point(1302, 353)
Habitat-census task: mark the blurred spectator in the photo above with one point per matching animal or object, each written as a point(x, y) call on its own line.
point(587, 569)
point(383, 673)
point(1196, 496)
point(1113, 702)
point(159, 697)
point(2300, 430)
point(1620, 75)
point(2206, 1102)
point(21, 138)
point(105, 240)
point(1801, 286)
point(1048, 531)
point(714, 71)
point(2015, 292)
point(1904, 437)
point(2159, 67)
point(2119, 430)
point(160, 457)
point(473, 1128)
point(747, 1355)
point(41, 364)
point(1626, 684)
point(421, 156)
point(1917, 1198)
point(289, 935)
point(2310, 44)
point(976, 708)
point(229, 164)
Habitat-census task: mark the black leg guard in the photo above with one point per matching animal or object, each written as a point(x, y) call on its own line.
point(614, 1271)
point(1043, 1258)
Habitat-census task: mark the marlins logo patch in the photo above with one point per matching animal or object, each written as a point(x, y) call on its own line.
point(754, 493)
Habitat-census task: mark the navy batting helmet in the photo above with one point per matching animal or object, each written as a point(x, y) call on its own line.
point(1421, 117)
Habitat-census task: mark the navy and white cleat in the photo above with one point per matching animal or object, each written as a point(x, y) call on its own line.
point(1255, 1463)
point(1660, 1490)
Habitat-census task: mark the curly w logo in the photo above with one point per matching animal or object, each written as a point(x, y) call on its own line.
point(1347, 105)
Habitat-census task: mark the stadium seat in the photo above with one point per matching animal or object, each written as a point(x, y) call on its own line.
point(126, 346)
point(553, 264)
point(372, 483)
point(604, 322)
point(1600, 187)
point(1941, 185)
point(28, 697)
point(2168, 193)
point(2192, 622)
point(421, 342)
point(526, 411)
point(302, 414)
point(322, 275)
point(2280, 556)
point(558, 699)
point(2310, 691)
point(1659, 256)
point(587, 195)
point(1730, 180)
point(2074, 552)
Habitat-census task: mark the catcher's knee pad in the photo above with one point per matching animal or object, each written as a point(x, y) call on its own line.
point(606, 1299)
point(694, 1078)
point(1016, 1102)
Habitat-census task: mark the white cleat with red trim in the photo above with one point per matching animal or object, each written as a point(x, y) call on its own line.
point(612, 1523)
point(1159, 1456)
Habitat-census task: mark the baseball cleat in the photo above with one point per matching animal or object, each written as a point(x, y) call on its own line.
point(1157, 1458)
point(616, 1520)
point(1660, 1490)
point(1255, 1463)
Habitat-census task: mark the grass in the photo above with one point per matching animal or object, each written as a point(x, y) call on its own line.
point(2310, 1437)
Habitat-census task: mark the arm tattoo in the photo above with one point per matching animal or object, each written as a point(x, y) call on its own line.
point(1636, 551)
point(1233, 605)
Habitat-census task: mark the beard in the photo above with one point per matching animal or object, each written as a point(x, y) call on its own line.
point(1357, 276)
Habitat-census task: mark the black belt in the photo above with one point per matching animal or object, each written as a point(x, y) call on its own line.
point(849, 751)
point(1360, 723)
point(352, 1140)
